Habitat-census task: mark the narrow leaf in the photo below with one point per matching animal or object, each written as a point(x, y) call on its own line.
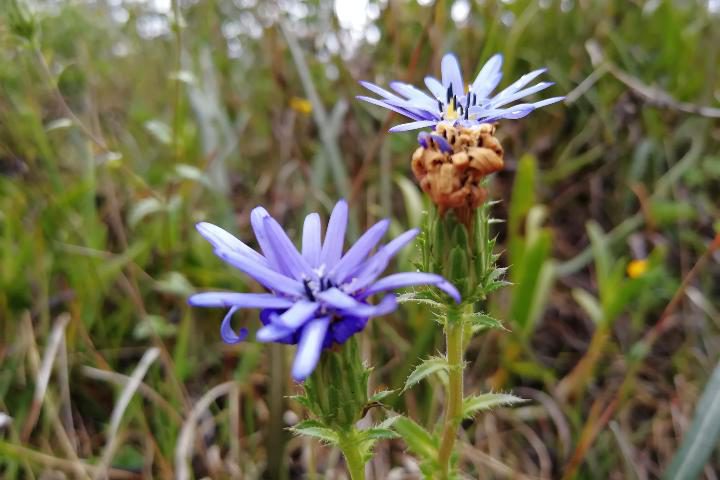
point(589, 304)
point(315, 429)
point(476, 403)
point(418, 440)
point(703, 436)
point(425, 369)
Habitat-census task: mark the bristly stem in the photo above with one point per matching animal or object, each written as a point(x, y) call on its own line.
point(453, 411)
point(353, 457)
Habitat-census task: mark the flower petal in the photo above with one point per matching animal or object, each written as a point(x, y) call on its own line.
point(408, 279)
point(434, 85)
point(340, 300)
point(488, 77)
point(309, 348)
point(385, 104)
point(273, 332)
point(285, 252)
point(227, 333)
point(547, 101)
point(221, 239)
point(312, 239)
point(370, 270)
point(416, 96)
point(335, 235)
point(359, 251)
point(520, 83)
point(451, 74)
point(298, 314)
point(263, 275)
point(257, 217)
point(520, 94)
point(413, 125)
point(239, 300)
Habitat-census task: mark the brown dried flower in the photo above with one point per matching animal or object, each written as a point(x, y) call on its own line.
point(451, 164)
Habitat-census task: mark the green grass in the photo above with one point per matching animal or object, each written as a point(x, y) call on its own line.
point(113, 145)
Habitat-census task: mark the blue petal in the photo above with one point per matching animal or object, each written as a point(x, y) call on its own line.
point(384, 104)
point(520, 83)
point(285, 252)
point(488, 77)
point(311, 240)
point(451, 74)
point(408, 279)
point(413, 125)
point(257, 217)
point(417, 97)
point(345, 327)
point(309, 348)
point(546, 102)
point(359, 251)
point(335, 235)
point(227, 333)
point(436, 88)
point(239, 300)
point(442, 143)
point(340, 300)
point(370, 270)
point(298, 314)
point(221, 239)
point(263, 275)
point(520, 94)
point(272, 332)
point(423, 139)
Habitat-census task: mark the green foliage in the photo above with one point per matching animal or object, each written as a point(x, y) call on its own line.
point(487, 401)
point(703, 435)
point(433, 365)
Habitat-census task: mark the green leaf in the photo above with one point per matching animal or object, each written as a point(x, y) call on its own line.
point(418, 440)
point(315, 429)
point(378, 397)
point(476, 403)
point(378, 433)
point(482, 321)
point(589, 304)
point(425, 369)
point(703, 436)
point(523, 198)
point(601, 254)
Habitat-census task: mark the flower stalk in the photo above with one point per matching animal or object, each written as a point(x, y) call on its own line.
point(453, 412)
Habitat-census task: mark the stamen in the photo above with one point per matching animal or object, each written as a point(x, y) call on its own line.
point(467, 106)
point(308, 290)
point(440, 106)
point(449, 93)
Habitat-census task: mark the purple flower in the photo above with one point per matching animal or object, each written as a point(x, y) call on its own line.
point(316, 297)
point(451, 102)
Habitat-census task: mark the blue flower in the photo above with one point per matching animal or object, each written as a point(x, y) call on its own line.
point(451, 102)
point(317, 297)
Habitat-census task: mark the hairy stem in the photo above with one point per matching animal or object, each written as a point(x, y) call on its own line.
point(353, 456)
point(453, 410)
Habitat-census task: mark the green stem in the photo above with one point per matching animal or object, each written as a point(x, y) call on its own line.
point(353, 457)
point(453, 412)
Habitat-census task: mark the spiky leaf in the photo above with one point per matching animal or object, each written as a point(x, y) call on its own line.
point(426, 368)
point(477, 403)
point(315, 429)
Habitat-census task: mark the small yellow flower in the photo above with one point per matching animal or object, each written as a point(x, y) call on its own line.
point(301, 105)
point(637, 268)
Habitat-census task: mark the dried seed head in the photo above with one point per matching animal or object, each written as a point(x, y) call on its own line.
point(451, 164)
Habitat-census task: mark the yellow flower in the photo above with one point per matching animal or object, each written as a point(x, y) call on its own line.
point(301, 105)
point(637, 268)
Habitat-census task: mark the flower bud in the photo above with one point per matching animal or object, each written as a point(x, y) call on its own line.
point(336, 391)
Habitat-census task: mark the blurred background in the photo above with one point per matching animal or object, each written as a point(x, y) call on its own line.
point(124, 122)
